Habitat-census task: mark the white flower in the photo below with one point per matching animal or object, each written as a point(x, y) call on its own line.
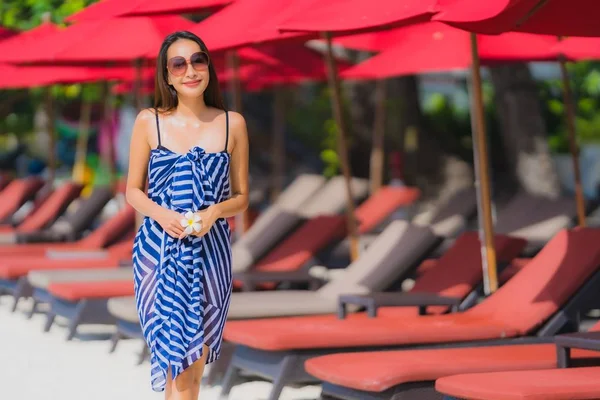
point(192, 223)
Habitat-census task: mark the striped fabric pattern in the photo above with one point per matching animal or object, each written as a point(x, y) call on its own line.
point(183, 287)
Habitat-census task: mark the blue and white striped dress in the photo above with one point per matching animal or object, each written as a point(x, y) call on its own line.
point(183, 287)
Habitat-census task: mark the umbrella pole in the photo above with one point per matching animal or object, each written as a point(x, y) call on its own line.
point(110, 155)
point(334, 85)
point(377, 152)
point(51, 127)
point(241, 219)
point(572, 134)
point(82, 141)
point(278, 150)
point(480, 158)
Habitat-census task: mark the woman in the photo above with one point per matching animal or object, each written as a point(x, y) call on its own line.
point(195, 156)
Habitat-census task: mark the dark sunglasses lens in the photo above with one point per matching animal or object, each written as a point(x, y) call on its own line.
point(199, 60)
point(177, 65)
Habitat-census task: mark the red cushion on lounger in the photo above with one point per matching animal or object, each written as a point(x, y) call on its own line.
point(51, 208)
point(382, 204)
point(513, 268)
point(75, 291)
point(518, 307)
point(297, 249)
point(16, 193)
point(379, 371)
point(17, 268)
point(552, 384)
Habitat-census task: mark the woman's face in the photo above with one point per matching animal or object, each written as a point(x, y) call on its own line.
point(187, 68)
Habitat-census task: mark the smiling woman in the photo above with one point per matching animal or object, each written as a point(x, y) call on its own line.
point(194, 156)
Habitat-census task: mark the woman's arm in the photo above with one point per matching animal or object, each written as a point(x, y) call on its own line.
point(139, 155)
point(238, 170)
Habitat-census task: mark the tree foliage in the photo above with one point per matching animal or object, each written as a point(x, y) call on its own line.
point(27, 14)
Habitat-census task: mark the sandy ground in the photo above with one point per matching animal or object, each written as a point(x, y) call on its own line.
point(44, 366)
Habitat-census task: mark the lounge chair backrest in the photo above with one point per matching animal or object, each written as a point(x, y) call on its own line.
point(301, 246)
point(458, 271)
point(381, 204)
point(331, 199)
point(546, 283)
point(274, 222)
point(399, 247)
point(450, 217)
point(547, 218)
point(85, 214)
point(52, 207)
point(17, 193)
point(111, 230)
point(299, 192)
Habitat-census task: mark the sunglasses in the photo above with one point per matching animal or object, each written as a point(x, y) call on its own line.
point(178, 65)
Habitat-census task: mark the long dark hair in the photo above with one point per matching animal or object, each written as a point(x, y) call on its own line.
point(165, 96)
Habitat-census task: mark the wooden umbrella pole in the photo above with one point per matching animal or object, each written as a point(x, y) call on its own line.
point(241, 220)
point(572, 135)
point(377, 152)
point(488, 251)
point(82, 141)
point(278, 149)
point(51, 127)
point(334, 85)
point(110, 155)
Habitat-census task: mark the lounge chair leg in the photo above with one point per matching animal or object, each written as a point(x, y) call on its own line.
point(114, 340)
point(143, 354)
point(231, 376)
point(31, 312)
point(49, 321)
point(22, 289)
point(74, 323)
point(287, 367)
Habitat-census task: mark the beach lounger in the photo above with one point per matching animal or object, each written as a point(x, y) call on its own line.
point(534, 218)
point(85, 301)
point(396, 251)
point(17, 193)
point(65, 234)
point(406, 373)
point(304, 199)
point(52, 207)
point(449, 218)
point(299, 249)
point(541, 299)
point(69, 227)
point(14, 269)
point(553, 384)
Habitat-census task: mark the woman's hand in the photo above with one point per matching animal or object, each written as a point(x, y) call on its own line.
point(170, 221)
point(208, 217)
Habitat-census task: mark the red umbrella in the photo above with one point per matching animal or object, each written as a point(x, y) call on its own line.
point(580, 48)
point(31, 76)
point(552, 17)
point(353, 16)
point(247, 22)
point(128, 8)
point(102, 41)
point(19, 43)
point(438, 47)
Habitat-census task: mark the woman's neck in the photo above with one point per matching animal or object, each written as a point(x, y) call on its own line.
point(191, 107)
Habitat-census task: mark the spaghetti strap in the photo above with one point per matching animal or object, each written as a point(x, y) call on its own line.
point(226, 130)
point(157, 126)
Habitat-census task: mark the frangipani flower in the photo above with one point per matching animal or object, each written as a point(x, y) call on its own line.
point(192, 223)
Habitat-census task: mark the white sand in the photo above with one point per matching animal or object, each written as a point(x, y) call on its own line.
point(38, 365)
